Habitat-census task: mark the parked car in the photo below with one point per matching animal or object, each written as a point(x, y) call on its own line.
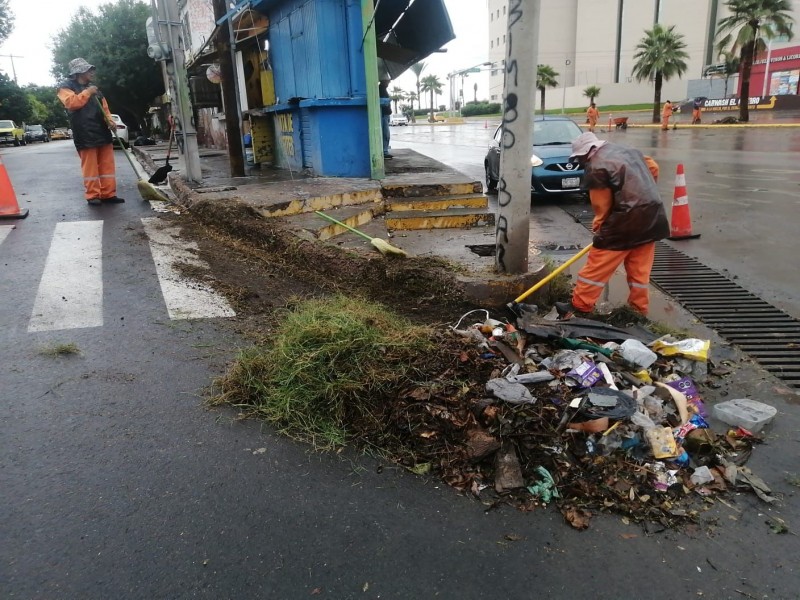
point(122, 129)
point(398, 119)
point(60, 133)
point(11, 133)
point(552, 172)
point(36, 133)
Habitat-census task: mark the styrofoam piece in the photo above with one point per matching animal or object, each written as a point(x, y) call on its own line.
point(743, 412)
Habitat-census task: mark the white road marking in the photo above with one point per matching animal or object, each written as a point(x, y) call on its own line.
point(4, 231)
point(71, 289)
point(185, 298)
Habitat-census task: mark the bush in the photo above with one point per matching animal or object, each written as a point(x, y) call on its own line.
point(472, 109)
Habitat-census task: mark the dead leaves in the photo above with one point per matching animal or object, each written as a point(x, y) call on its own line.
point(578, 518)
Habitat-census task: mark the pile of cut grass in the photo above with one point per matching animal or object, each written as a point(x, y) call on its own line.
point(329, 370)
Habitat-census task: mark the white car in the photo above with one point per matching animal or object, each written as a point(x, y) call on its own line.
point(398, 119)
point(122, 129)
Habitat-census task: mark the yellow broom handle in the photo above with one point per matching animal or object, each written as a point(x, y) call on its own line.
point(553, 274)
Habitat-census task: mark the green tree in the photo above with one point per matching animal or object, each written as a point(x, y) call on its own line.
point(48, 109)
point(417, 69)
point(411, 97)
point(14, 102)
point(6, 21)
point(744, 33)
point(730, 66)
point(659, 57)
point(114, 40)
point(431, 83)
point(397, 94)
point(591, 93)
point(546, 77)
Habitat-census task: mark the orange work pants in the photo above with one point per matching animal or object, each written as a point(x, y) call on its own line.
point(664, 122)
point(600, 266)
point(97, 166)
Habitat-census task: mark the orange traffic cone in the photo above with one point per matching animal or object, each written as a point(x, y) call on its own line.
point(9, 209)
point(681, 228)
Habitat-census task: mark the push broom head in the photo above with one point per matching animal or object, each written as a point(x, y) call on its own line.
point(387, 249)
point(149, 193)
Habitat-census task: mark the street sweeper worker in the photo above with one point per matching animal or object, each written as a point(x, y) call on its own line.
point(91, 132)
point(629, 220)
point(592, 116)
point(666, 114)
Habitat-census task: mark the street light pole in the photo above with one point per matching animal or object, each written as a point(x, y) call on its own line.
point(567, 63)
point(13, 69)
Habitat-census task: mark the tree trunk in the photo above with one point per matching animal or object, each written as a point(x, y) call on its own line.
point(541, 99)
point(431, 107)
point(744, 89)
point(657, 98)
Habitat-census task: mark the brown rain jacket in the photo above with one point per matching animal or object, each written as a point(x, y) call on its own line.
point(636, 215)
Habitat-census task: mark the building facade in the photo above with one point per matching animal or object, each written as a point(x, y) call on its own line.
point(592, 42)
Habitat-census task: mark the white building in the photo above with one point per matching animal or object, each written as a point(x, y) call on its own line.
point(592, 42)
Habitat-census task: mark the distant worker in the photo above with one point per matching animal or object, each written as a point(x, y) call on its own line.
point(592, 116)
point(696, 106)
point(386, 113)
point(629, 219)
point(666, 113)
point(91, 126)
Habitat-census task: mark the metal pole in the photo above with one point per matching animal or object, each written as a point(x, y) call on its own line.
point(179, 91)
point(374, 124)
point(512, 230)
point(766, 69)
point(564, 86)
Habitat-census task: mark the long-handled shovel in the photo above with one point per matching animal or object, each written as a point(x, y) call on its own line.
point(513, 306)
point(161, 172)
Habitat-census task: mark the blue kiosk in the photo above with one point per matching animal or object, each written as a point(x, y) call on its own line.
point(317, 65)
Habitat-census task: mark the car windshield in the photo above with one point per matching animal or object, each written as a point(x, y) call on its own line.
point(34, 128)
point(554, 132)
point(7, 124)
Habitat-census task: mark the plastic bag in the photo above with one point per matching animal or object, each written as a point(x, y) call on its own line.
point(636, 352)
point(688, 348)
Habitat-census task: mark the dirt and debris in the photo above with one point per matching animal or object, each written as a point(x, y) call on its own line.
point(527, 412)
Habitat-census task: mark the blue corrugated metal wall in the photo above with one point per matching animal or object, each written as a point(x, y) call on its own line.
point(315, 49)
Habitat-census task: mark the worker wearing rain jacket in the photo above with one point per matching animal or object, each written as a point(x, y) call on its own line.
point(91, 133)
point(629, 219)
point(666, 114)
point(592, 116)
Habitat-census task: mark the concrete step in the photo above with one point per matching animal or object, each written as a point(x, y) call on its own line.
point(437, 202)
point(454, 218)
point(312, 226)
point(434, 188)
point(308, 196)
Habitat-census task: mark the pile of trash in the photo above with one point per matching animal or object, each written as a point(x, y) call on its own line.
point(589, 417)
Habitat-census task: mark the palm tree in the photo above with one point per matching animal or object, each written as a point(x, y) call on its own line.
point(744, 32)
point(475, 93)
point(431, 83)
point(660, 55)
point(730, 66)
point(545, 77)
point(397, 94)
point(411, 97)
point(591, 93)
point(417, 69)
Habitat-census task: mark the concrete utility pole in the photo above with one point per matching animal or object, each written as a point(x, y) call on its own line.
point(369, 47)
point(512, 230)
point(177, 80)
point(13, 69)
point(230, 100)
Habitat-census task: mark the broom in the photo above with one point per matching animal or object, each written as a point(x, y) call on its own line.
point(382, 246)
point(146, 190)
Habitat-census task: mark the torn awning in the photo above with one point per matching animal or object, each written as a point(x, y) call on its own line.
point(409, 31)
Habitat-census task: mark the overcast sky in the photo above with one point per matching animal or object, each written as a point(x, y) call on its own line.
point(37, 23)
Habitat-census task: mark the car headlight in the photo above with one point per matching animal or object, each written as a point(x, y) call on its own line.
point(536, 161)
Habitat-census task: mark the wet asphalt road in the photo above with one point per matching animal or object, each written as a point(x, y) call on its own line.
point(117, 483)
point(743, 186)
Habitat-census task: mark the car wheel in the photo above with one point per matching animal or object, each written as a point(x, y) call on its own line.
point(491, 183)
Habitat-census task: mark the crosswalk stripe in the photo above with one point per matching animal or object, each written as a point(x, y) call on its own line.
point(4, 231)
point(70, 292)
point(185, 298)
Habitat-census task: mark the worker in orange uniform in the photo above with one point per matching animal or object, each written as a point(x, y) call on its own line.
point(91, 132)
point(629, 219)
point(697, 105)
point(592, 116)
point(666, 113)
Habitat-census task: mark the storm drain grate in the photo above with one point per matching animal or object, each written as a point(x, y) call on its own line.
point(765, 332)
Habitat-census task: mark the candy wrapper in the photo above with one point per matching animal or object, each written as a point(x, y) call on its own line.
point(585, 375)
point(687, 387)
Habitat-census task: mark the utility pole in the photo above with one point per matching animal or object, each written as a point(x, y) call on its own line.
point(178, 84)
point(13, 69)
point(512, 230)
point(229, 97)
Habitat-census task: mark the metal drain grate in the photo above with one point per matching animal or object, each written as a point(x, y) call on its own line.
point(765, 332)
